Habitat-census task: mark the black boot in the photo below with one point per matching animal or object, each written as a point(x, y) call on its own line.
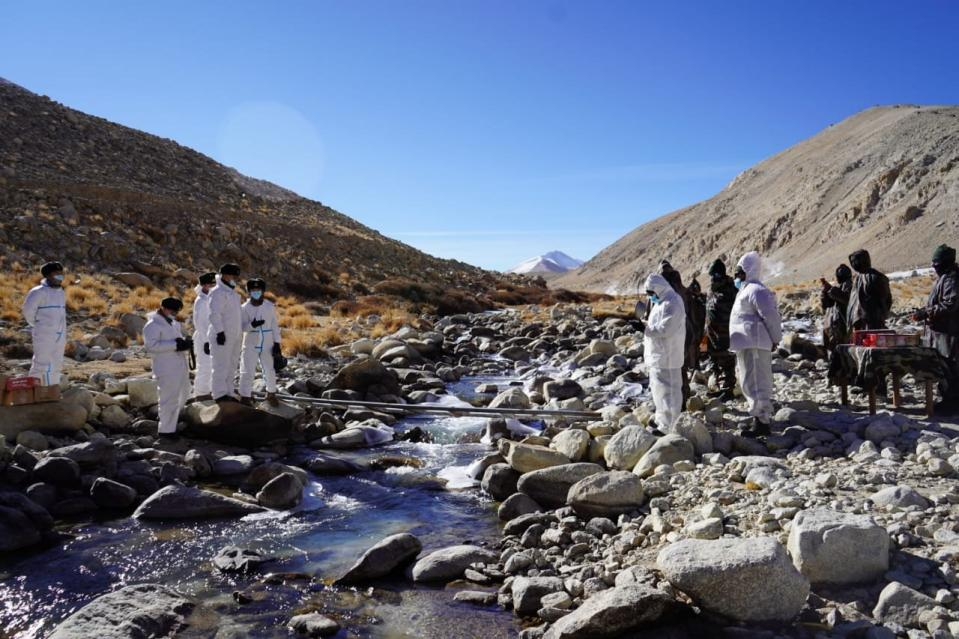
point(757, 428)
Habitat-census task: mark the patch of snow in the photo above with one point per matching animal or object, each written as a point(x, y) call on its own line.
point(905, 275)
point(552, 262)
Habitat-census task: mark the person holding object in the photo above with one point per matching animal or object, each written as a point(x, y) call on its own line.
point(225, 333)
point(45, 310)
point(870, 298)
point(755, 328)
point(261, 342)
point(164, 341)
point(834, 300)
point(664, 351)
point(203, 382)
point(941, 317)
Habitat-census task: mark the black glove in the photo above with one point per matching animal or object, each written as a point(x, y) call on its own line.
point(221, 338)
point(642, 325)
point(184, 344)
point(276, 349)
point(257, 323)
point(206, 348)
point(921, 315)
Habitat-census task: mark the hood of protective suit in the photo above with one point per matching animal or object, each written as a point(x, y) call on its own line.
point(752, 264)
point(658, 284)
point(860, 260)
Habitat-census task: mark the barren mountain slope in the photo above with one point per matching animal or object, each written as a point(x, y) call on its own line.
point(103, 196)
point(886, 179)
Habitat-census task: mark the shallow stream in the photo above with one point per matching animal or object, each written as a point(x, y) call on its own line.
point(339, 518)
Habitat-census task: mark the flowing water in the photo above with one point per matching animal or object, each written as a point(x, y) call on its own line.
point(340, 517)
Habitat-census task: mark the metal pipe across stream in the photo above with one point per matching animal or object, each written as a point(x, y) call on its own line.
point(577, 415)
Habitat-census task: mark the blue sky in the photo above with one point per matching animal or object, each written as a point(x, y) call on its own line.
point(488, 131)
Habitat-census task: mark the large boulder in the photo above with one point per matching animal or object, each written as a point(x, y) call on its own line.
point(511, 398)
point(900, 497)
point(562, 389)
point(142, 392)
point(550, 486)
point(607, 494)
point(144, 610)
point(383, 558)
point(47, 418)
point(573, 443)
point(499, 481)
point(313, 624)
point(61, 471)
point(528, 591)
point(450, 563)
point(364, 374)
point(901, 604)
point(107, 493)
point(830, 547)
point(234, 423)
point(92, 454)
point(262, 474)
point(612, 613)
point(668, 449)
point(524, 458)
point(282, 492)
point(695, 430)
point(749, 579)
point(186, 502)
point(625, 448)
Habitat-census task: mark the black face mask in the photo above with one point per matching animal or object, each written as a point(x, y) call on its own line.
point(941, 268)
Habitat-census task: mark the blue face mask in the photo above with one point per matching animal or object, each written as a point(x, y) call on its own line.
point(256, 294)
point(654, 298)
point(738, 282)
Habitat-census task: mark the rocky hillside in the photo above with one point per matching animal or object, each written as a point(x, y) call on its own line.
point(105, 197)
point(886, 179)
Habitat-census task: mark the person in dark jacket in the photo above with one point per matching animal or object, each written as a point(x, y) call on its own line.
point(697, 320)
point(719, 305)
point(675, 280)
point(870, 299)
point(941, 315)
point(835, 299)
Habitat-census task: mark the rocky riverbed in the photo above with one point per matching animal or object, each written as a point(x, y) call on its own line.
point(840, 524)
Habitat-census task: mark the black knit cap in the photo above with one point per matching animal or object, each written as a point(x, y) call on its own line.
point(51, 267)
point(945, 255)
point(208, 278)
point(255, 283)
point(172, 303)
point(718, 269)
point(230, 269)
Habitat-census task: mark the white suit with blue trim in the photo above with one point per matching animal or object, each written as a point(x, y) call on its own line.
point(170, 368)
point(258, 344)
point(45, 310)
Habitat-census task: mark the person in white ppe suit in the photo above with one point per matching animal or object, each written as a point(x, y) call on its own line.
point(45, 310)
point(261, 342)
point(755, 329)
point(225, 333)
point(164, 341)
point(664, 350)
point(203, 381)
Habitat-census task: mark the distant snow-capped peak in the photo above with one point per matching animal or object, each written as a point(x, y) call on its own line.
point(552, 262)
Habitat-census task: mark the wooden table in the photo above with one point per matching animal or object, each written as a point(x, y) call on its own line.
point(867, 367)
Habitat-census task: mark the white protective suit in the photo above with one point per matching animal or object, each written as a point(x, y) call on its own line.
point(258, 345)
point(45, 310)
point(170, 368)
point(664, 350)
point(203, 382)
point(755, 328)
point(225, 317)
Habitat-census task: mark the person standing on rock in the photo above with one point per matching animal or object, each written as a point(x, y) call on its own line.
point(203, 382)
point(164, 341)
point(941, 316)
point(45, 310)
point(834, 300)
point(225, 333)
point(664, 351)
point(755, 328)
point(870, 299)
point(719, 305)
point(261, 342)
